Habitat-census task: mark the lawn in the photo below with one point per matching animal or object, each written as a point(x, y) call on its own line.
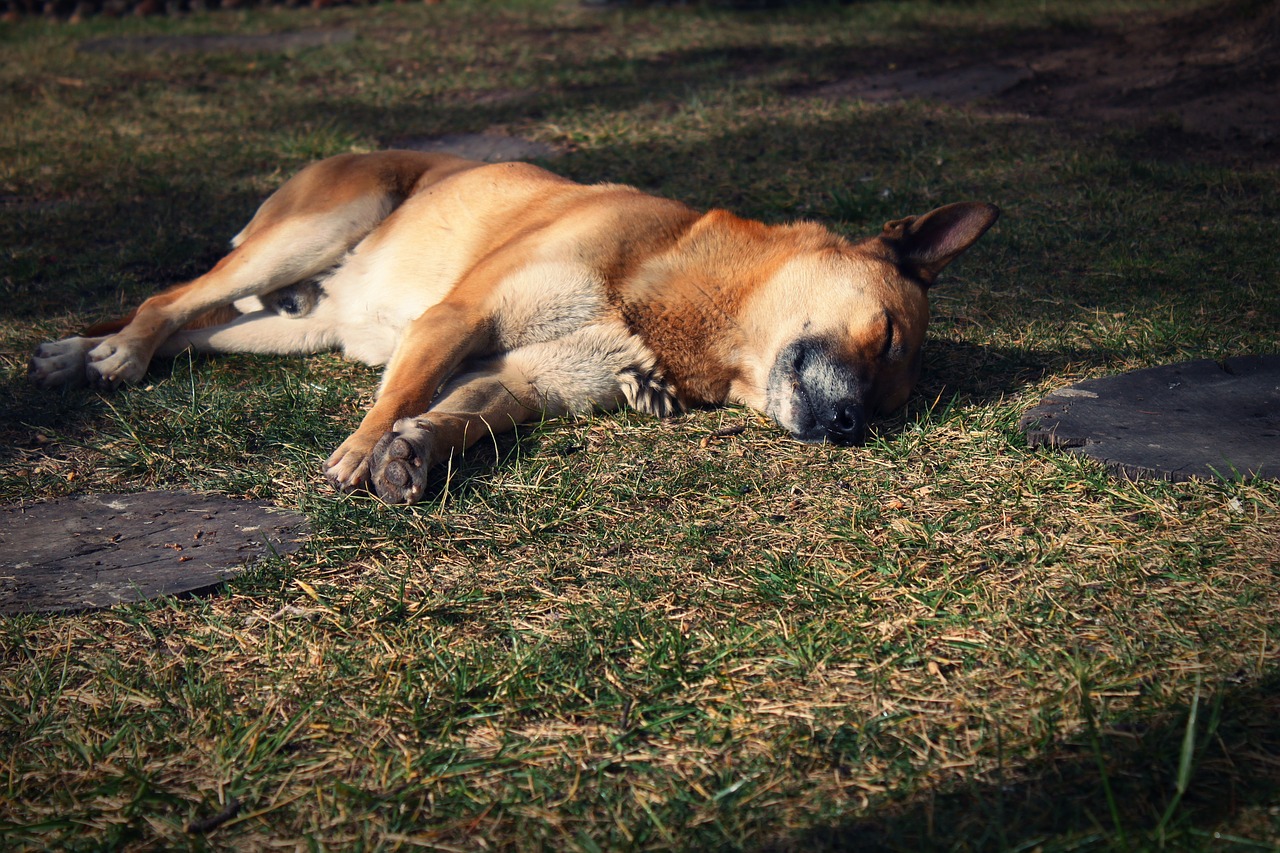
point(626, 633)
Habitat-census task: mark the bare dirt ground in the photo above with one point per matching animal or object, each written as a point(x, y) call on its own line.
point(1206, 83)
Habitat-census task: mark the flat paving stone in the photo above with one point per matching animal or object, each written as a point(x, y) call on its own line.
point(1197, 420)
point(488, 147)
point(265, 43)
point(93, 551)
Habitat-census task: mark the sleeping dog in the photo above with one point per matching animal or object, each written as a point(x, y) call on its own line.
point(501, 293)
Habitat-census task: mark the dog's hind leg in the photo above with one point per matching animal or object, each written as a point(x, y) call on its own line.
point(305, 228)
point(262, 332)
point(283, 253)
point(61, 362)
point(288, 251)
point(255, 266)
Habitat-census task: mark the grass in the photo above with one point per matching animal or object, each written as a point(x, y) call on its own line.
point(620, 632)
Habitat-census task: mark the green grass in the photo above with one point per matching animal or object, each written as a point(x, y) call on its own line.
point(620, 632)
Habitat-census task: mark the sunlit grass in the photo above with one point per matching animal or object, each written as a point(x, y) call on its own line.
point(619, 632)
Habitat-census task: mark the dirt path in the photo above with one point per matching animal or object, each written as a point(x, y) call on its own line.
point(1206, 82)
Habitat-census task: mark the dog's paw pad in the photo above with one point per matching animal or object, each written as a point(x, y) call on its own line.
point(397, 475)
point(399, 449)
point(400, 462)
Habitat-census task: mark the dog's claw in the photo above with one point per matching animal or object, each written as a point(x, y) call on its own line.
point(111, 364)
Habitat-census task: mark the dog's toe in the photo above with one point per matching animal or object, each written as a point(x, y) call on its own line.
point(59, 363)
point(111, 364)
point(347, 469)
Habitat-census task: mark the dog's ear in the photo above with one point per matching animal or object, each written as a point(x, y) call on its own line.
point(926, 244)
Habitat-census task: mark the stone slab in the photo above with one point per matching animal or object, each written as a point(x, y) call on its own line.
point(1195, 420)
point(92, 551)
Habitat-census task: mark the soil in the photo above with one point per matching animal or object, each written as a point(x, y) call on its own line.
point(1205, 83)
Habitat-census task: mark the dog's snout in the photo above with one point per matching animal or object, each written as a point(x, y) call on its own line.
point(847, 425)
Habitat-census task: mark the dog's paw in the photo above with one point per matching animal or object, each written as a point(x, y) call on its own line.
point(401, 460)
point(348, 468)
point(113, 363)
point(60, 362)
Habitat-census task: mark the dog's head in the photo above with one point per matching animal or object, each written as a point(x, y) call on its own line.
point(845, 325)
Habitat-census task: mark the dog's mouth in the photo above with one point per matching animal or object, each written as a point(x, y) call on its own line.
point(815, 396)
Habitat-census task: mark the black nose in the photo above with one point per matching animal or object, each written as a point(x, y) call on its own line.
point(846, 424)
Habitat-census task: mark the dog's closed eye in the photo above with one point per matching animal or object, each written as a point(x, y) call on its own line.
point(887, 351)
point(801, 359)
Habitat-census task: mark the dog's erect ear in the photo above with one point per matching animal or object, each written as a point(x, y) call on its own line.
point(926, 244)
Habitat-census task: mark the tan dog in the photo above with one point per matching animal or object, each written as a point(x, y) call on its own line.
point(497, 294)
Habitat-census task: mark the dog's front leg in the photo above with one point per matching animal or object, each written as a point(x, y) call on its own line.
point(582, 372)
point(432, 348)
point(494, 398)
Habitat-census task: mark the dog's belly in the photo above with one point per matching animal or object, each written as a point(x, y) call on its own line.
point(368, 311)
point(370, 343)
point(369, 330)
point(371, 299)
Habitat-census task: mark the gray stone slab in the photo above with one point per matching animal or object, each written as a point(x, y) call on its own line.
point(265, 43)
point(1196, 420)
point(489, 147)
point(92, 551)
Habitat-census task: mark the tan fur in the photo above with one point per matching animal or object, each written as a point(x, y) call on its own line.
point(496, 294)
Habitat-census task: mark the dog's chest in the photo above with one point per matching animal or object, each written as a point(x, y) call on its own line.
point(544, 301)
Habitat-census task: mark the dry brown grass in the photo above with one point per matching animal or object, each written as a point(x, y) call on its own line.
point(625, 633)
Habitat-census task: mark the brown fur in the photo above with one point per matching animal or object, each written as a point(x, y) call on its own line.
point(499, 293)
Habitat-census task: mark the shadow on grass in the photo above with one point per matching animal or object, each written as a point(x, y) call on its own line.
point(94, 259)
point(1060, 800)
point(38, 420)
point(978, 373)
